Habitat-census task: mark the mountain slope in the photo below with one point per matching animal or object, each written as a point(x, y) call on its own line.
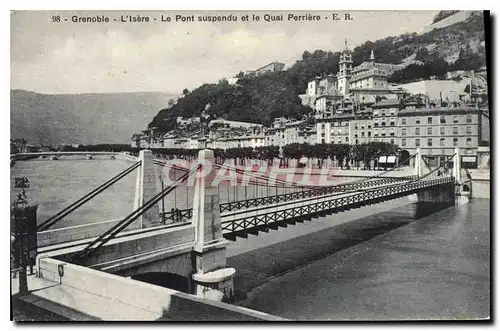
point(82, 118)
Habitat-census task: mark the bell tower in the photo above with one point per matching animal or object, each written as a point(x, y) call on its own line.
point(345, 69)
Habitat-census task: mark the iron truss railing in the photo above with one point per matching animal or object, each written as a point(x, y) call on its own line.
point(298, 195)
point(253, 223)
point(179, 215)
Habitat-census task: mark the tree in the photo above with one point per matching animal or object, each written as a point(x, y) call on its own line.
point(185, 91)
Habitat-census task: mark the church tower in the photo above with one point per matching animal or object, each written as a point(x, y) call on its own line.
point(345, 69)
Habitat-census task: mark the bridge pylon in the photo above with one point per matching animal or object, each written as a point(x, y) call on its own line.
point(211, 272)
point(145, 189)
point(418, 163)
point(456, 166)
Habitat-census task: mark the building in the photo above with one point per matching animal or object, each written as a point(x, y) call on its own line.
point(438, 131)
point(364, 84)
point(271, 67)
point(385, 121)
point(360, 128)
point(333, 129)
point(186, 121)
point(369, 82)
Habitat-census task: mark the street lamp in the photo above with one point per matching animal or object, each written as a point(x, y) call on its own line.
point(20, 239)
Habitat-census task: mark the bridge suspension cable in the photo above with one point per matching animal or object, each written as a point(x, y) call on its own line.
point(75, 205)
point(439, 167)
point(121, 225)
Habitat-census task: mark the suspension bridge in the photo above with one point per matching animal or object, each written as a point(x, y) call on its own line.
point(190, 239)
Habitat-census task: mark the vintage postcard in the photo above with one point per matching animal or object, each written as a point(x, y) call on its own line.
point(250, 165)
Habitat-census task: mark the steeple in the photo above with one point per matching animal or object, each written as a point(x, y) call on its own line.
point(372, 57)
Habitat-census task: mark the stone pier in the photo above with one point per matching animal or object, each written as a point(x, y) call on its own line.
point(212, 278)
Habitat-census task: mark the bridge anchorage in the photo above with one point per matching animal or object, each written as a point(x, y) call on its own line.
point(190, 240)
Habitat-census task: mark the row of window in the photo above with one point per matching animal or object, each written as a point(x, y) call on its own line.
point(468, 130)
point(468, 142)
point(442, 119)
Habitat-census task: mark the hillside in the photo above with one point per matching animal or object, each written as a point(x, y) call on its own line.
point(81, 118)
point(260, 99)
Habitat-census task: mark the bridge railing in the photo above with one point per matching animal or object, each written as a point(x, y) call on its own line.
point(275, 199)
point(328, 205)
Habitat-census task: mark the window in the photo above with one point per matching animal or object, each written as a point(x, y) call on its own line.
point(469, 119)
point(417, 142)
point(392, 141)
point(382, 124)
point(469, 142)
point(322, 141)
point(391, 123)
point(455, 141)
point(357, 141)
point(355, 126)
point(403, 142)
point(403, 132)
point(469, 130)
point(442, 119)
point(417, 121)
point(429, 142)
point(417, 131)
point(375, 133)
point(347, 139)
point(429, 130)
point(339, 141)
point(362, 133)
point(375, 124)
point(369, 133)
point(441, 142)
point(441, 131)
point(429, 120)
point(355, 135)
point(455, 119)
point(455, 130)
point(403, 121)
point(369, 126)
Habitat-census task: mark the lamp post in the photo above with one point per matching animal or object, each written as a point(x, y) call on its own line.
point(20, 233)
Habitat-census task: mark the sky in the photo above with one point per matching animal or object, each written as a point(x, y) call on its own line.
point(67, 57)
